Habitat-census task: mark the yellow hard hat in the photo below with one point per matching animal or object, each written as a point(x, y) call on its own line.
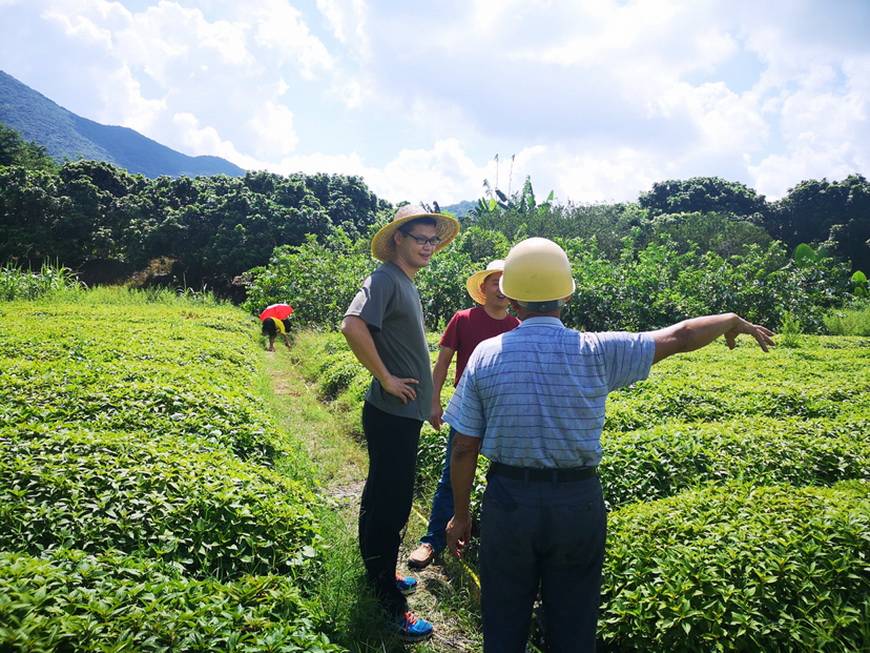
point(537, 270)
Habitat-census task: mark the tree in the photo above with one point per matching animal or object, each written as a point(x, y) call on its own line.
point(15, 151)
point(702, 194)
point(835, 213)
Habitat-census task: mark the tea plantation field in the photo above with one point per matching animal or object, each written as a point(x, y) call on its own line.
point(739, 490)
point(140, 508)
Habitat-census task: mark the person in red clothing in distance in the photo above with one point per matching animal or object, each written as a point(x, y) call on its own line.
point(466, 329)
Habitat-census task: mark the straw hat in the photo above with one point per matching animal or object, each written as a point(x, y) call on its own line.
point(475, 280)
point(382, 242)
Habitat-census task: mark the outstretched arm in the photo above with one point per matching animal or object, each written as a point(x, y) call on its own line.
point(698, 332)
point(356, 332)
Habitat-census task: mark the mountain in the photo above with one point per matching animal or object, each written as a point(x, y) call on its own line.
point(66, 135)
point(461, 209)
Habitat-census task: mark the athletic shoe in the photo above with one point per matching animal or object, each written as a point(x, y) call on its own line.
point(412, 628)
point(406, 584)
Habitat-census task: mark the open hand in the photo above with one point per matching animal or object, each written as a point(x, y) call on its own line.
point(763, 336)
point(401, 388)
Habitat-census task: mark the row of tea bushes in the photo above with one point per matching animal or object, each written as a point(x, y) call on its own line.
point(666, 459)
point(74, 601)
point(824, 378)
point(207, 511)
point(740, 568)
point(159, 369)
point(140, 508)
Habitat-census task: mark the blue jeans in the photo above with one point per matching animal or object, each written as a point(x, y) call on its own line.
point(442, 504)
point(541, 535)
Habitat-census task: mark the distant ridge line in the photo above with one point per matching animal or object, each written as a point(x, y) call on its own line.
point(66, 135)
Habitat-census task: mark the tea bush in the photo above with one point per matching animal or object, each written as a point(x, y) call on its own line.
point(852, 320)
point(662, 461)
point(824, 378)
point(204, 510)
point(739, 568)
point(710, 430)
point(71, 600)
point(99, 367)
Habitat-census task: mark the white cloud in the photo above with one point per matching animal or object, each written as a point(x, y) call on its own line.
point(205, 140)
point(281, 30)
point(275, 135)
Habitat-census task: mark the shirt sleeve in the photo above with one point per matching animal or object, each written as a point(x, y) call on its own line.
point(465, 411)
point(628, 357)
point(450, 338)
point(370, 303)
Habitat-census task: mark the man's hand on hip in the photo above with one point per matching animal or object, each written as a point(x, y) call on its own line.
point(401, 388)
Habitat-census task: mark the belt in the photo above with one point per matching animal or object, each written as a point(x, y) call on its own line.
point(554, 474)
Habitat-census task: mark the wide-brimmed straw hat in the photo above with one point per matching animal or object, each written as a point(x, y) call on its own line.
point(473, 283)
point(382, 242)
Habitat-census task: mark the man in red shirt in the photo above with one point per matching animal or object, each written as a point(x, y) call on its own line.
point(466, 329)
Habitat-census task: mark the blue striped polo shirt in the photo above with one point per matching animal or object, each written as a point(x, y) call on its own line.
point(536, 395)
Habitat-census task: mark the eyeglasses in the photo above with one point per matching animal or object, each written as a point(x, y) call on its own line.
point(432, 242)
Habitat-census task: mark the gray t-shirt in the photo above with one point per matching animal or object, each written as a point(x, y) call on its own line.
point(389, 304)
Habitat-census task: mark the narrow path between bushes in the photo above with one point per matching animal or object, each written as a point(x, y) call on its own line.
point(444, 596)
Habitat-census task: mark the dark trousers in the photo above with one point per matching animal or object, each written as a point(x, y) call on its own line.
point(386, 499)
point(543, 535)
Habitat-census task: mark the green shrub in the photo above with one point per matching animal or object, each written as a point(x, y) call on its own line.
point(662, 461)
point(175, 369)
point(70, 600)
point(739, 569)
point(850, 321)
point(826, 377)
point(789, 330)
point(128, 403)
point(208, 512)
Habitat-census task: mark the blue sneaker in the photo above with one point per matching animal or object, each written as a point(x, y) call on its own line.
point(412, 628)
point(406, 584)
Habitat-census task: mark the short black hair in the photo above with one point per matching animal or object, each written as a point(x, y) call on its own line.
point(426, 220)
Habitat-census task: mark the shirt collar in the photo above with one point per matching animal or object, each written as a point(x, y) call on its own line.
point(542, 320)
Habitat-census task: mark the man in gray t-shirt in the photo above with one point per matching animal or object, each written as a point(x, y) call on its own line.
point(390, 306)
point(385, 330)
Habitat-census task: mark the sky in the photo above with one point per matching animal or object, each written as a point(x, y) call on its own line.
point(593, 99)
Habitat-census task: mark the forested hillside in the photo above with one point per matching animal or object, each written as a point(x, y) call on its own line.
point(67, 136)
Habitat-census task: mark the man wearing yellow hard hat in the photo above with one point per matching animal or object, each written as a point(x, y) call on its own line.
point(466, 329)
point(384, 327)
point(533, 401)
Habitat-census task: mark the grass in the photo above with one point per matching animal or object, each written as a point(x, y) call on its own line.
point(854, 321)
